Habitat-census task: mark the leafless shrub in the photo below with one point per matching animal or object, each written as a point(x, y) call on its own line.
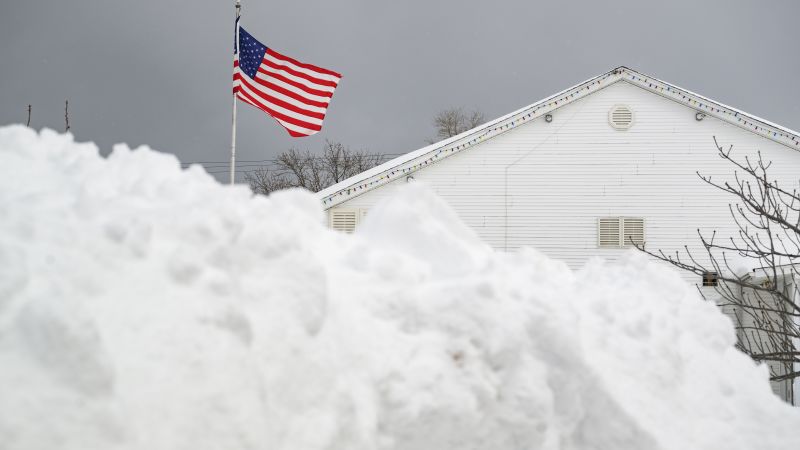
point(454, 121)
point(301, 168)
point(764, 300)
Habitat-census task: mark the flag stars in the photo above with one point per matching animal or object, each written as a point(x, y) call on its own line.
point(252, 53)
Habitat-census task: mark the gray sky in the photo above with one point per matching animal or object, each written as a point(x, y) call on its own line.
point(159, 73)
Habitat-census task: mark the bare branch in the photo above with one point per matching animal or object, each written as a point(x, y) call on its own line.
point(768, 220)
point(296, 168)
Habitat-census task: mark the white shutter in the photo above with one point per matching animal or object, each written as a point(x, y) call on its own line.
point(346, 219)
point(615, 232)
point(632, 231)
point(342, 219)
point(608, 232)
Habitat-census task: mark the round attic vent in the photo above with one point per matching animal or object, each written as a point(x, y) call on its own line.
point(620, 117)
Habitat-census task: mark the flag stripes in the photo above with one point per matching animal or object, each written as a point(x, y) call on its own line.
point(295, 94)
point(312, 70)
point(297, 86)
point(287, 103)
point(293, 122)
point(280, 99)
point(279, 87)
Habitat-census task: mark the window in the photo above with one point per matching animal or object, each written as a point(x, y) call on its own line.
point(710, 279)
point(345, 219)
point(618, 232)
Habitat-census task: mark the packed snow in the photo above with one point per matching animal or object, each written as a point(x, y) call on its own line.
point(147, 307)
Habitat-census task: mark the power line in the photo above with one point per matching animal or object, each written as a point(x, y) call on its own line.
point(228, 162)
point(226, 171)
point(387, 155)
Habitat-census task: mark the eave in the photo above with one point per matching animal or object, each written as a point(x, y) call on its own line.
point(405, 165)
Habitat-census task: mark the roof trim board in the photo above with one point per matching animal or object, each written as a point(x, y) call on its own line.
point(409, 163)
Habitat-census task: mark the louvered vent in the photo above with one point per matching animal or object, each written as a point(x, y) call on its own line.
point(620, 117)
point(608, 232)
point(632, 231)
point(344, 219)
point(616, 232)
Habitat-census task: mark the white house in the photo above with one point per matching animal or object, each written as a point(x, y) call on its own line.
point(576, 174)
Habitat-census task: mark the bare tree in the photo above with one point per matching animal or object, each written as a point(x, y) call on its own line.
point(265, 180)
point(453, 121)
point(764, 300)
point(301, 169)
point(29, 117)
point(296, 168)
point(340, 162)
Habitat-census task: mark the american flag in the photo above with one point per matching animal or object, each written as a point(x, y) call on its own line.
point(293, 93)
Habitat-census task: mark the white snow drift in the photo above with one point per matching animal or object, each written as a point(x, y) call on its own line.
point(146, 307)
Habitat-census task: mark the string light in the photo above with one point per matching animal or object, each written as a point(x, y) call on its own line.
point(539, 109)
point(763, 129)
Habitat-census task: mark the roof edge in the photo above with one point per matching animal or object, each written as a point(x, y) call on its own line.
point(742, 119)
point(404, 165)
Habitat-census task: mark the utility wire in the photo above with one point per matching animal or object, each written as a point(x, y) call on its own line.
point(388, 155)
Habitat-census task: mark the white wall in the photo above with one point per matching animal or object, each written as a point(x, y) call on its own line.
point(549, 182)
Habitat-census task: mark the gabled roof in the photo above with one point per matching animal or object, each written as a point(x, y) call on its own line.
point(404, 165)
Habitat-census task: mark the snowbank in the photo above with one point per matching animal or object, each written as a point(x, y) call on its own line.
point(145, 307)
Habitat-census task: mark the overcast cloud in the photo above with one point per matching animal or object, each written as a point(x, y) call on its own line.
point(158, 73)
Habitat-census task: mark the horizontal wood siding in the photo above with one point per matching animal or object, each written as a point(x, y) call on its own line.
point(545, 185)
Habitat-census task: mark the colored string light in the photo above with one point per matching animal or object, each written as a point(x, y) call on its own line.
point(541, 108)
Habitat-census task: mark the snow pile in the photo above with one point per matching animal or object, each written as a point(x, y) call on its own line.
point(145, 307)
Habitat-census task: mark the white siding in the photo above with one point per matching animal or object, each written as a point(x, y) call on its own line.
point(546, 184)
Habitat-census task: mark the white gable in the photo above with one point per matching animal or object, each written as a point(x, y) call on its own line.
point(401, 167)
point(545, 185)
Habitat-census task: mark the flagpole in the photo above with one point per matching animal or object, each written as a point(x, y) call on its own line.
point(233, 118)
